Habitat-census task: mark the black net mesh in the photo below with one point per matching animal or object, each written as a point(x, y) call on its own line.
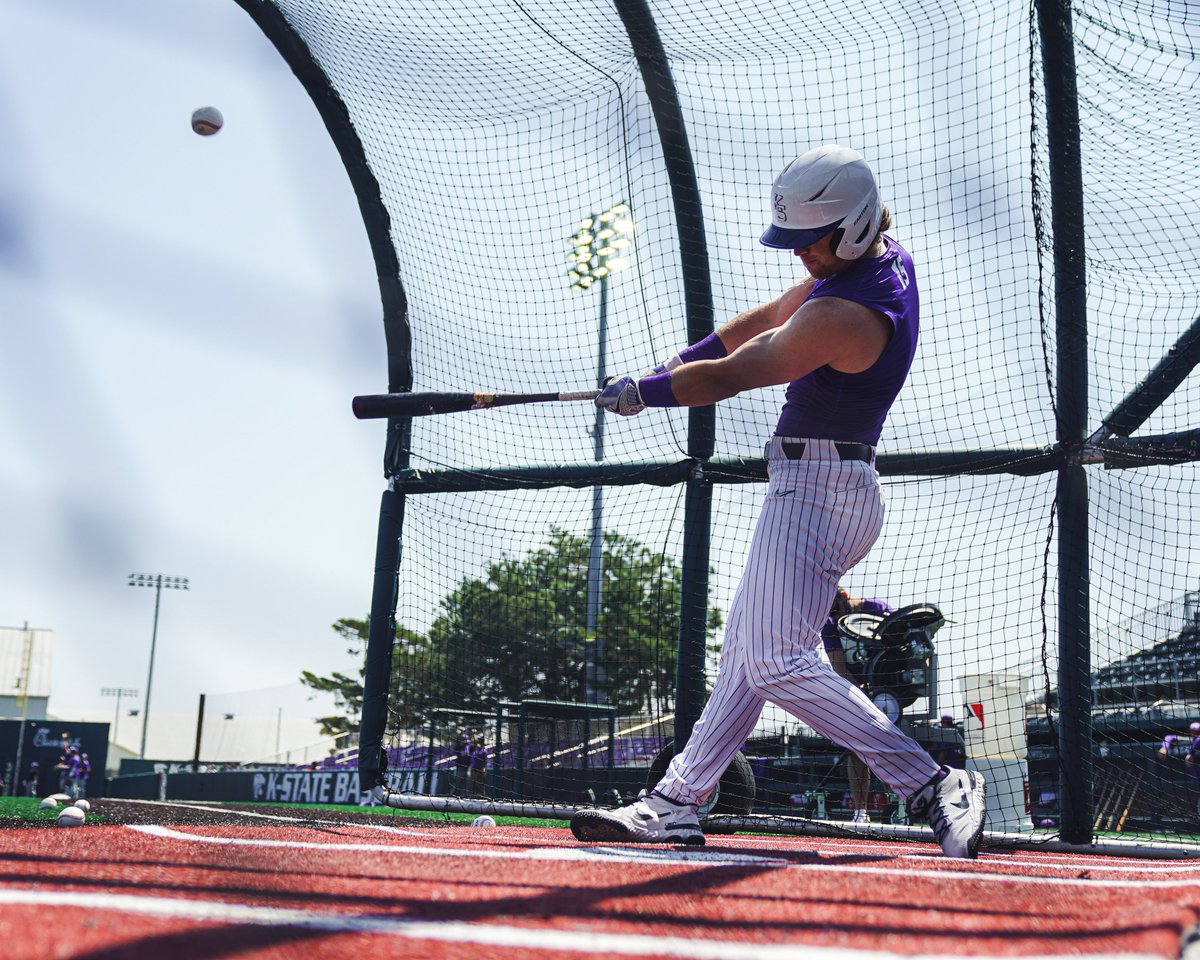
point(498, 133)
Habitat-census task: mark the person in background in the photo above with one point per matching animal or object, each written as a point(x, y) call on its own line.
point(479, 764)
point(81, 769)
point(1189, 746)
point(33, 779)
point(858, 773)
point(65, 766)
point(462, 764)
point(1173, 744)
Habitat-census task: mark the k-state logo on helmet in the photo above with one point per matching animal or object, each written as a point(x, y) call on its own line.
point(780, 208)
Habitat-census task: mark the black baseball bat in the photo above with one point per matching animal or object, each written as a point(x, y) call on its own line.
point(376, 406)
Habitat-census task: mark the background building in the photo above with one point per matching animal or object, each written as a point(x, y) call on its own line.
point(25, 671)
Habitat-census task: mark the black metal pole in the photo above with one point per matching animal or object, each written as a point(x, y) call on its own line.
point(690, 688)
point(199, 734)
point(381, 637)
point(1160, 383)
point(698, 305)
point(1070, 304)
point(429, 757)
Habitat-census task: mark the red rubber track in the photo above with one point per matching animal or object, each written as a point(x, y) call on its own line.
point(269, 892)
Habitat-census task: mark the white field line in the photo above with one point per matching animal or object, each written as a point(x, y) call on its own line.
point(301, 821)
point(494, 935)
point(666, 855)
point(1060, 861)
point(564, 853)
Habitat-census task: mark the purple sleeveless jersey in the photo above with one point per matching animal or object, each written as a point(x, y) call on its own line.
point(830, 405)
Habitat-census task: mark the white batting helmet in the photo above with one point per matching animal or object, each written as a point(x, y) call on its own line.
point(829, 189)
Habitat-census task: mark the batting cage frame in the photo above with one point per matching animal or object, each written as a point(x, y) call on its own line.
point(1087, 804)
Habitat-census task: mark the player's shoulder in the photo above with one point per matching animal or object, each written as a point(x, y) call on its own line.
point(896, 263)
point(888, 273)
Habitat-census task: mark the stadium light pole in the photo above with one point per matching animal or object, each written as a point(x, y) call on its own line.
point(598, 250)
point(117, 692)
point(159, 582)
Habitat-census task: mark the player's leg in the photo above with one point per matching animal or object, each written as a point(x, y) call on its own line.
point(667, 814)
point(838, 710)
point(827, 515)
point(727, 720)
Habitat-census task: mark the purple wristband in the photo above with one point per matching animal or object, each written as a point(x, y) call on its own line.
point(710, 348)
point(655, 390)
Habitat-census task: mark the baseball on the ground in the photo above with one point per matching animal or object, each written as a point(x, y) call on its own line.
point(70, 817)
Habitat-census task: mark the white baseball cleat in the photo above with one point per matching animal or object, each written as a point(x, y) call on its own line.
point(954, 807)
point(649, 819)
point(860, 816)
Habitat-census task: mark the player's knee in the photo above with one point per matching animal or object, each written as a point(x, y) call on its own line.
point(766, 674)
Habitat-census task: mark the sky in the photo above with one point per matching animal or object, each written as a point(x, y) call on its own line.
point(183, 322)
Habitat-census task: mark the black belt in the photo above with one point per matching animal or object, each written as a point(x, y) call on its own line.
point(794, 450)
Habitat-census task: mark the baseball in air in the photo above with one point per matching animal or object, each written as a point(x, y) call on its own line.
point(207, 120)
point(70, 817)
point(484, 821)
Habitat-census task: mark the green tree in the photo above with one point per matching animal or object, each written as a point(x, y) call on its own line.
point(347, 691)
point(518, 632)
point(413, 678)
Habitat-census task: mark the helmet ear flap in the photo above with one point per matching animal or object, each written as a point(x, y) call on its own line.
point(835, 241)
point(851, 248)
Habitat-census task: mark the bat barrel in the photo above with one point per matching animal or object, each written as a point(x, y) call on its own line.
point(425, 404)
point(377, 406)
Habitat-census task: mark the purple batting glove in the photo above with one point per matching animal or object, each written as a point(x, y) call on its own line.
point(620, 395)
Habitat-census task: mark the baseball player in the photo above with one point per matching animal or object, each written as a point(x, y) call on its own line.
point(842, 340)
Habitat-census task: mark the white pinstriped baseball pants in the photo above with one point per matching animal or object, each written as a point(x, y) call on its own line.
point(820, 517)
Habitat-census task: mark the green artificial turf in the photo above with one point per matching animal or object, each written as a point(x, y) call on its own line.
point(29, 808)
point(25, 808)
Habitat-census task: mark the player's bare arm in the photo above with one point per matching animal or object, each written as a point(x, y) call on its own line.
point(847, 336)
point(766, 316)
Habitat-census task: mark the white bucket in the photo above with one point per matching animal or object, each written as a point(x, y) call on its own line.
point(994, 722)
point(996, 744)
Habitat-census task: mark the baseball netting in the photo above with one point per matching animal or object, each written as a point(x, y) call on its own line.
point(546, 554)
